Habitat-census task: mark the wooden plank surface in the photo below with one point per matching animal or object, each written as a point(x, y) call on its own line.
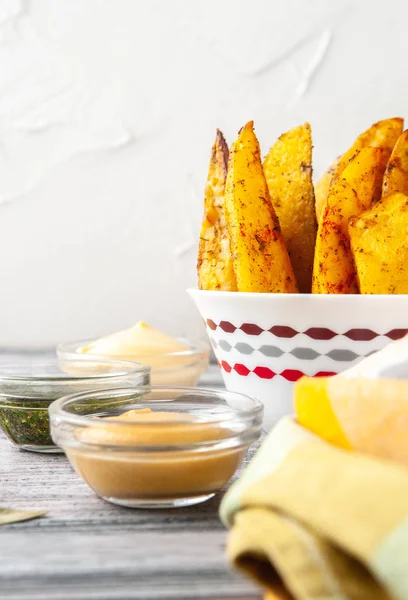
point(88, 549)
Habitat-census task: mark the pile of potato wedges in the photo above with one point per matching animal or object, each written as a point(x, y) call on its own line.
point(267, 228)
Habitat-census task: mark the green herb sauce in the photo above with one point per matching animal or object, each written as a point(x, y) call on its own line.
point(26, 421)
point(25, 426)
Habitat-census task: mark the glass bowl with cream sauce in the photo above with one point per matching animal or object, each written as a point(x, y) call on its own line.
point(173, 361)
point(156, 447)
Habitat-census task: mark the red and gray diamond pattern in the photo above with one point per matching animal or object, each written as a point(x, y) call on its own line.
point(301, 353)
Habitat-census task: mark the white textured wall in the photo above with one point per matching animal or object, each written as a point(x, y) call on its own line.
point(107, 115)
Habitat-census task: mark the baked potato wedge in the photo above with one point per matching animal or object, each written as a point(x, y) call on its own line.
point(214, 266)
point(396, 173)
point(322, 187)
point(383, 134)
point(334, 271)
point(288, 172)
point(379, 242)
point(260, 259)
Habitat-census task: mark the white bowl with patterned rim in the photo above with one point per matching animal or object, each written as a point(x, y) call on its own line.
point(266, 342)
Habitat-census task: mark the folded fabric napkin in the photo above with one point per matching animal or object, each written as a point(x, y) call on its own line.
point(364, 408)
point(12, 515)
point(367, 415)
point(319, 521)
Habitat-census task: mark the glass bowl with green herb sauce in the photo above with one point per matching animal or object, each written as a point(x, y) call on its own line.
point(27, 390)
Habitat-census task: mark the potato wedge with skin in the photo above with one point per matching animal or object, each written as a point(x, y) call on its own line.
point(261, 261)
point(383, 134)
point(396, 173)
point(379, 242)
point(334, 271)
point(322, 187)
point(214, 266)
point(288, 172)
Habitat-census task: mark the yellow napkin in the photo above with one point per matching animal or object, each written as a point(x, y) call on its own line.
point(367, 415)
point(318, 521)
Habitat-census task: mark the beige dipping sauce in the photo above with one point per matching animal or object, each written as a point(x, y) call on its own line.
point(149, 346)
point(135, 475)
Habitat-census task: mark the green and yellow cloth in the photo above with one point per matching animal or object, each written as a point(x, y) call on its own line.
point(316, 522)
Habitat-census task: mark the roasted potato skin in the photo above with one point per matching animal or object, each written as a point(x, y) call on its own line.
point(396, 173)
point(260, 259)
point(379, 242)
point(334, 270)
point(288, 172)
point(214, 266)
point(383, 134)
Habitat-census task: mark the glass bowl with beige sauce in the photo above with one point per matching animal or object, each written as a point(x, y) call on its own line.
point(156, 447)
point(173, 361)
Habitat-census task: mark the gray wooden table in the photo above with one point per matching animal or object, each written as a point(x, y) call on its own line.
point(88, 549)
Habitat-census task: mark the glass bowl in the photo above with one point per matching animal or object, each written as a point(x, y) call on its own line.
point(27, 390)
point(180, 457)
point(172, 369)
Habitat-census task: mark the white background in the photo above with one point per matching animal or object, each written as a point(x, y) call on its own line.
point(108, 110)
